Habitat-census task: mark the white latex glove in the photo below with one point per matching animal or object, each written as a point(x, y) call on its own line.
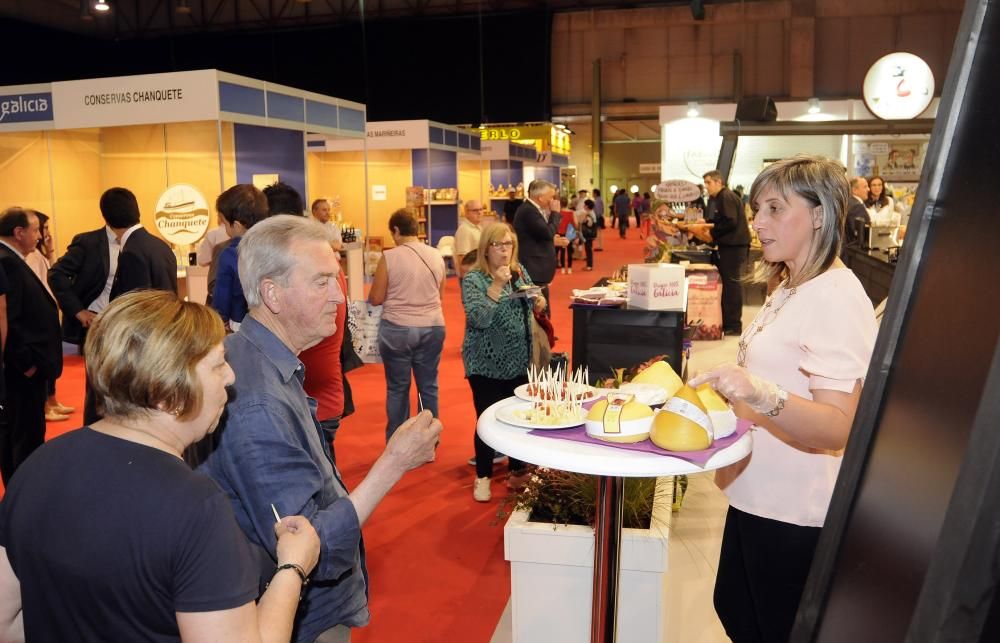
point(740, 385)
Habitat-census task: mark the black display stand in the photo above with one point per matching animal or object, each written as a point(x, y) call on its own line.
point(909, 549)
point(873, 270)
point(608, 338)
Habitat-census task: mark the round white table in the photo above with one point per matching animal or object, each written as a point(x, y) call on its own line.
point(612, 465)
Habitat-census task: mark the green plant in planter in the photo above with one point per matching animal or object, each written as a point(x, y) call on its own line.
point(564, 498)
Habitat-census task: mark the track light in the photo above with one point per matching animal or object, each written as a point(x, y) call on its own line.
point(102, 6)
point(85, 11)
point(814, 106)
point(693, 110)
point(182, 6)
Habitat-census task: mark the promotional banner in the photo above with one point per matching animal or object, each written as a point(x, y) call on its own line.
point(182, 214)
point(677, 191)
point(136, 100)
point(28, 107)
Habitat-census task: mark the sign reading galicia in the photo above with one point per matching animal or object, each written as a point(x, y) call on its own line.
point(26, 108)
point(898, 86)
point(182, 214)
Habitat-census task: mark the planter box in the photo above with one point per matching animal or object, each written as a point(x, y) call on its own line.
point(551, 576)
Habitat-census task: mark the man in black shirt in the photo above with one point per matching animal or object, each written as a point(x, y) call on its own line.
point(731, 235)
point(510, 207)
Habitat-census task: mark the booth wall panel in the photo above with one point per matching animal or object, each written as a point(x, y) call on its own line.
point(321, 114)
point(228, 154)
point(435, 168)
point(444, 221)
point(241, 100)
point(193, 158)
point(76, 184)
point(134, 157)
point(550, 174)
point(24, 166)
point(352, 119)
point(285, 107)
point(473, 180)
point(269, 150)
point(342, 175)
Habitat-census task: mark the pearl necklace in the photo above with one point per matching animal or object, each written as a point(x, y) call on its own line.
point(759, 323)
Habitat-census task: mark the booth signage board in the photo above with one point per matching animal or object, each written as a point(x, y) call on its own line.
point(379, 193)
point(516, 133)
point(649, 168)
point(136, 100)
point(398, 135)
point(182, 214)
point(29, 107)
point(677, 191)
point(898, 86)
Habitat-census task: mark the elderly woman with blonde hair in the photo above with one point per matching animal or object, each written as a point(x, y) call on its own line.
point(497, 347)
point(799, 372)
point(105, 532)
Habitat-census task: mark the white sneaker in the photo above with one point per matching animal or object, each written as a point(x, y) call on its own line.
point(481, 490)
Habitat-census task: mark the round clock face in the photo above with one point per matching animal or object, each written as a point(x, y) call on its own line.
point(898, 86)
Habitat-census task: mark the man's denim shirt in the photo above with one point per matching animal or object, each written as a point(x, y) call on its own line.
point(271, 450)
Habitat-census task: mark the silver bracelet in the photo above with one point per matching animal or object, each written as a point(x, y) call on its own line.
point(780, 406)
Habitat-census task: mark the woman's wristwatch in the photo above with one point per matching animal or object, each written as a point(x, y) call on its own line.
point(779, 407)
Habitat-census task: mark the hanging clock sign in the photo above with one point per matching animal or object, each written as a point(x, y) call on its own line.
point(898, 86)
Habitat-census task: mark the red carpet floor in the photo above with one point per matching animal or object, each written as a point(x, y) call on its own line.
point(435, 556)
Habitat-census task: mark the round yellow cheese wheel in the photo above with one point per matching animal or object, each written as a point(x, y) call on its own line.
point(634, 422)
point(682, 424)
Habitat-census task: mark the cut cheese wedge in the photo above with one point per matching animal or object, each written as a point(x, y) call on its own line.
point(661, 374)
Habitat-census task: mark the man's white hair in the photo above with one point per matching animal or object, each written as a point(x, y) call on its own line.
point(265, 251)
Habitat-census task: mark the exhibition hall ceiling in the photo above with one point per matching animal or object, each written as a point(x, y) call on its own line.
point(152, 18)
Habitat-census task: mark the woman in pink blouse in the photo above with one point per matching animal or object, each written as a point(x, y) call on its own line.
point(409, 284)
point(799, 371)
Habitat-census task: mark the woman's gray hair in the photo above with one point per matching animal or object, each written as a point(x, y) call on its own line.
point(821, 182)
point(265, 251)
point(538, 186)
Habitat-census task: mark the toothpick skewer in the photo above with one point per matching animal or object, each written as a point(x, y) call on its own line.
point(277, 518)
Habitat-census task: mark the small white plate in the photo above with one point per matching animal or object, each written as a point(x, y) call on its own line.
point(521, 393)
point(513, 414)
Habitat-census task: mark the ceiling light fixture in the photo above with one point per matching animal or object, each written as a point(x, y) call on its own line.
point(693, 111)
point(85, 11)
point(102, 6)
point(182, 6)
point(814, 106)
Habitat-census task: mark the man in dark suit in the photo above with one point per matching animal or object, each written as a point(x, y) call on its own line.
point(33, 354)
point(536, 235)
point(857, 213)
point(102, 264)
point(731, 235)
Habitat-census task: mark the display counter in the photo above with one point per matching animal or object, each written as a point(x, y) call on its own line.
point(606, 338)
point(872, 269)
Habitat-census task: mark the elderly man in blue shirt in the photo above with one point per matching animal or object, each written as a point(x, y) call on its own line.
point(271, 448)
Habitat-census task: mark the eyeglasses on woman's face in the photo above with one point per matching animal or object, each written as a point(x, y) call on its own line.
point(501, 244)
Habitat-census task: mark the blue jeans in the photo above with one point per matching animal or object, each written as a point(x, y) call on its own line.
point(404, 349)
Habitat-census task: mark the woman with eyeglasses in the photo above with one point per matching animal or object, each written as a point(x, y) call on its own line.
point(496, 350)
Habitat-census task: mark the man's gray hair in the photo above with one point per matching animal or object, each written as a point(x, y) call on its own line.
point(265, 251)
point(538, 186)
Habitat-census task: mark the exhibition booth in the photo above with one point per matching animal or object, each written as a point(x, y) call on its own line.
point(176, 140)
point(427, 166)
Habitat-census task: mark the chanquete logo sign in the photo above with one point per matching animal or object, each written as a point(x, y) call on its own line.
point(25, 108)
